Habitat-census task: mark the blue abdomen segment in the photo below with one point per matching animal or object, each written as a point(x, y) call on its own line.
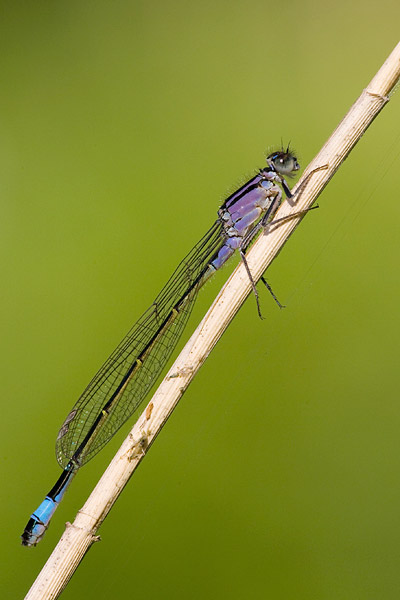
point(39, 522)
point(40, 519)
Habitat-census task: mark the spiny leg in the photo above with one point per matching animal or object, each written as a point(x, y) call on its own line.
point(281, 220)
point(292, 216)
point(269, 288)
point(248, 239)
point(253, 285)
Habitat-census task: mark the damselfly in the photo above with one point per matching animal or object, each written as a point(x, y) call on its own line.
point(126, 377)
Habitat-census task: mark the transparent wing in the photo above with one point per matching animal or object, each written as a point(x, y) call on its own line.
point(126, 377)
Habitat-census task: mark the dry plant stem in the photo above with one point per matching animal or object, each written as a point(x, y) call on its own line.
point(79, 536)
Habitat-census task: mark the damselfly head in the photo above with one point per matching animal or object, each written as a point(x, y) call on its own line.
point(283, 162)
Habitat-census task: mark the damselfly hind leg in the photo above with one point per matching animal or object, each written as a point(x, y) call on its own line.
point(269, 288)
point(253, 284)
point(254, 287)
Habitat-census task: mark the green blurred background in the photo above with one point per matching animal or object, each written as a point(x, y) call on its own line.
point(123, 127)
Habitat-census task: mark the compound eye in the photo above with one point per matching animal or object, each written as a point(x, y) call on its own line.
point(287, 165)
point(283, 162)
